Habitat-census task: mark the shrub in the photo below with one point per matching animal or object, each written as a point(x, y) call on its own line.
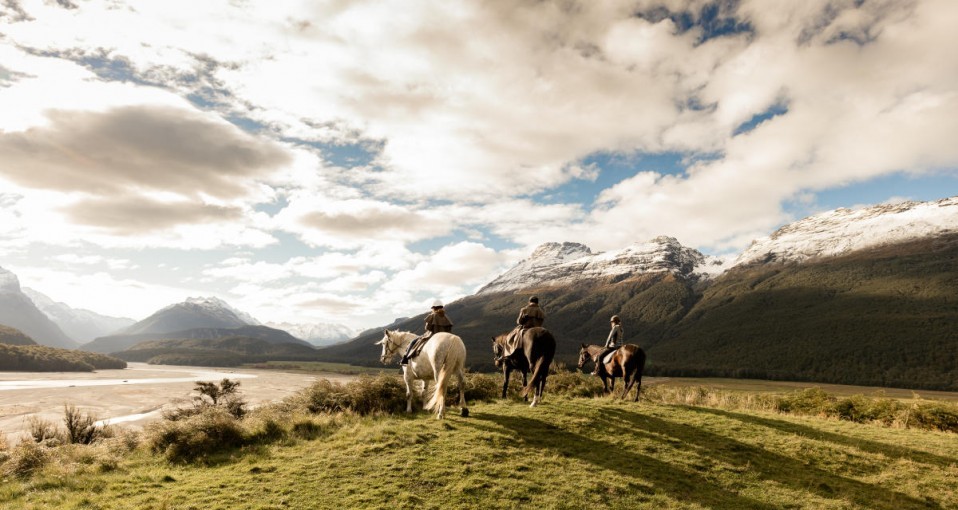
point(366, 395)
point(573, 383)
point(81, 428)
point(26, 459)
point(224, 395)
point(935, 416)
point(211, 431)
point(479, 387)
point(41, 430)
point(814, 401)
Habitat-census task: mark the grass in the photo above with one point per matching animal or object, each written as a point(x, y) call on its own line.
point(569, 453)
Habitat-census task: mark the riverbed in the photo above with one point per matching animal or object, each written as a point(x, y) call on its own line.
point(132, 396)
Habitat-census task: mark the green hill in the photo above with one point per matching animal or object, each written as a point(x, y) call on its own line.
point(116, 343)
point(567, 454)
point(224, 351)
point(40, 358)
point(13, 336)
point(885, 317)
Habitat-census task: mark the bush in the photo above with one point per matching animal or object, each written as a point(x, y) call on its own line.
point(935, 416)
point(211, 431)
point(41, 430)
point(479, 387)
point(366, 395)
point(81, 428)
point(813, 401)
point(26, 459)
point(573, 383)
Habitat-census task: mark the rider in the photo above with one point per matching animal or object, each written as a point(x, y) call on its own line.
point(436, 322)
point(530, 316)
point(616, 336)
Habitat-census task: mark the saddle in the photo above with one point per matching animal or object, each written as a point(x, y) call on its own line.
point(420, 343)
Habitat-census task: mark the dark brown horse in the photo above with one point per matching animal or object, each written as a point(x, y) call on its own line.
point(538, 347)
point(626, 362)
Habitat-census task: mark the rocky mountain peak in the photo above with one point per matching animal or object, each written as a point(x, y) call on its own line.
point(567, 263)
point(8, 281)
point(842, 231)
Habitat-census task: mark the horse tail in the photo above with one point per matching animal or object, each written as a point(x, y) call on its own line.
point(449, 360)
point(540, 369)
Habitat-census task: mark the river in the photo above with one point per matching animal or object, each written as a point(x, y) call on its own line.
point(131, 396)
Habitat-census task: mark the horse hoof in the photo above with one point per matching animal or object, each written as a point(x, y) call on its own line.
point(464, 412)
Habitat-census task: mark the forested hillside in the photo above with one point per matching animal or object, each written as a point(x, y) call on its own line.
point(222, 352)
point(39, 358)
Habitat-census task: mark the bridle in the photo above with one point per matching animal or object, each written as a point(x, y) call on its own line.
point(390, 348)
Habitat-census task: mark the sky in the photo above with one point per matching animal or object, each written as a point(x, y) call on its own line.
point(351, 161)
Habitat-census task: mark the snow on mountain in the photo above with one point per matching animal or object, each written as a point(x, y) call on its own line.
point(567, 263)
point(201, 312)
point(214, 304)
point(318, 334)
point(843, 231)
point(79, 324)
point(8, 281)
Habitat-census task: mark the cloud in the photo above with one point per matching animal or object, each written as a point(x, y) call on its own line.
point(138, 148)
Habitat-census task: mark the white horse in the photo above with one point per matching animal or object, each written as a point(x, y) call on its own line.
point(443, 355)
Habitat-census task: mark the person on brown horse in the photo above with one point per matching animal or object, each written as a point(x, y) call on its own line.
point(436, 321)
point(616, 337)
point(530, 316)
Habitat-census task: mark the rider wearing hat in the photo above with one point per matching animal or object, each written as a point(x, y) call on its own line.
point(530, 316)
point(616, 336)
point(436, 322)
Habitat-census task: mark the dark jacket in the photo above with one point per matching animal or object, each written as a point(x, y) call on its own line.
point(437, 321)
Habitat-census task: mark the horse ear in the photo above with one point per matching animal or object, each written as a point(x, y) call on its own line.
point(584, 346)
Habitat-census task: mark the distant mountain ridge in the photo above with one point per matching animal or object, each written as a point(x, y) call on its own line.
point(13, 336)
point(554, 264)
point(18, 311)
point(117, 343)
point(318, 334)
point(202, 312)
point(220, 351)
point(78, 324)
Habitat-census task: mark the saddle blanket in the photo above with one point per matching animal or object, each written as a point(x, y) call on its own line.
point(608, 357)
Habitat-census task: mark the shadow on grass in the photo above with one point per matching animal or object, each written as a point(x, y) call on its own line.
point(793, 473)
point(889, 450)
point(676, 482)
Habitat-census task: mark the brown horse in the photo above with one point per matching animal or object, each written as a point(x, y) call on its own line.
point(627, 362)
point(538, 347)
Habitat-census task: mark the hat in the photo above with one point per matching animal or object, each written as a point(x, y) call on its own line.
point(534, 299)
point(615, 318)
point(437, 304)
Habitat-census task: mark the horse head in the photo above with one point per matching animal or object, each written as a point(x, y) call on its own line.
point(584, 355)
point(498, 351)
point(390, 346)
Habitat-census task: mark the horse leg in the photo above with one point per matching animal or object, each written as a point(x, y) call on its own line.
point(409, 388)
point(637, 379)
point(505, 385)
point(463, 410)
point(525, 382)
point(626, 384)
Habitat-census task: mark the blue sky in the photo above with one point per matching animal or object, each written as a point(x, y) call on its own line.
point(350, 162)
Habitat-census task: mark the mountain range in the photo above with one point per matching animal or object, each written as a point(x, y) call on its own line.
point(79, 324)
point(853, 296)
point(18, 311)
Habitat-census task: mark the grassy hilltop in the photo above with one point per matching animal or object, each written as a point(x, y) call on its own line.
point(721, 450)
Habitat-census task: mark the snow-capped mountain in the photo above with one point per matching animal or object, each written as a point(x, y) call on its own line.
point(842, 231)
point(553, 264)
point(318, 334)
point(19, 312)
point(79, 324)
point(208, 312)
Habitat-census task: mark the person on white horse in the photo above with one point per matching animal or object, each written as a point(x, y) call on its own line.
point(436, 322)
point(616, 336)
point(530, 316)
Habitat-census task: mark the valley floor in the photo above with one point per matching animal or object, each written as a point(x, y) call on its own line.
point(569, 453)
